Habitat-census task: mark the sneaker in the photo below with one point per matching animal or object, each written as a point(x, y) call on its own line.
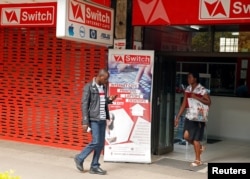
point(79, 165)
point(97, 171)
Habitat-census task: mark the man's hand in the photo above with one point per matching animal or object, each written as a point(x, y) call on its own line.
point(85, 127)
point(113, 97)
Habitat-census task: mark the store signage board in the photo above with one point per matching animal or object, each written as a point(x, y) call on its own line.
point(32, 15)
point(179, 12)
point(85, 22)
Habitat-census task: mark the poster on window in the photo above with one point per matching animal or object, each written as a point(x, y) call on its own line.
point(128, 132)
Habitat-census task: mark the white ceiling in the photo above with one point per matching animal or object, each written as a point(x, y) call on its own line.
point(24, 1)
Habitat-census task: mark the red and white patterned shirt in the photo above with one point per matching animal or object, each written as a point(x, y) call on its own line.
point(199, 91)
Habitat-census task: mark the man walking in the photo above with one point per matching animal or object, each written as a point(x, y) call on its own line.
point(95, 113)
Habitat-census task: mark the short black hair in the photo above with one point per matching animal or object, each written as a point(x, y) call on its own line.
point(195, 75)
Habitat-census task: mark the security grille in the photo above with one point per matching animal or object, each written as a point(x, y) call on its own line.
point(41, 86)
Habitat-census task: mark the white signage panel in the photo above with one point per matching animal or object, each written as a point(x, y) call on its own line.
point(85, 22)
point(36, 14)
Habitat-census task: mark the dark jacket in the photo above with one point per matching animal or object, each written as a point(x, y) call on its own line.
point(91, 103)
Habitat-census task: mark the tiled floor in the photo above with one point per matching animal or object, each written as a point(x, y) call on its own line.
point(39, 162)
point(224, 151)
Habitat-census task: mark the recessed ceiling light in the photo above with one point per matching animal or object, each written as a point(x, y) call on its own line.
point(235, 33)
point(196, 27)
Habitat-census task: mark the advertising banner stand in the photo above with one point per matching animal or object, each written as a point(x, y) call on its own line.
point(128, 133)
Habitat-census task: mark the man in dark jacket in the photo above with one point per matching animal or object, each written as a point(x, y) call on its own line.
point(95, 113)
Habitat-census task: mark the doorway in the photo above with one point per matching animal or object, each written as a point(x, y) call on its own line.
point(163, 105)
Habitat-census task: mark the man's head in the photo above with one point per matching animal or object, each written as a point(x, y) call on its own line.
point(102, 77)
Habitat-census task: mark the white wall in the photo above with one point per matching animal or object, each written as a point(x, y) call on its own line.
point(229, 118)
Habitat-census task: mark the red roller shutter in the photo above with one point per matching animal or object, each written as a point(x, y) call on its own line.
point(41, 86)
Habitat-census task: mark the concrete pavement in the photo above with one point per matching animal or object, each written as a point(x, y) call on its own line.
point(41, 162)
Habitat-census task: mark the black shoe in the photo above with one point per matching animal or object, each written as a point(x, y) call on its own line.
point(97, 171)
point(79, 165)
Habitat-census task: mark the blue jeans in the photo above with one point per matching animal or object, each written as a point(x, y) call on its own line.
point(97, 143)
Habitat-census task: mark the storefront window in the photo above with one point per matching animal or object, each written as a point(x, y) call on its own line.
point(244, 41)
point(222, 78)
point(203, 38)
point(218, 78)
point(220, 39)
point(194, 66)
point(213, 50)
point(201, 42)
point(226, 42)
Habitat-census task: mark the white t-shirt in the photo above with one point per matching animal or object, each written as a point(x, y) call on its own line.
point(102, 102)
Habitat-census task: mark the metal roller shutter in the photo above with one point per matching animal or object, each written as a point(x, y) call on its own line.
point(41, 86)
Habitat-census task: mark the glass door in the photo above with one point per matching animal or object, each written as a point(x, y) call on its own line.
point(163, 105)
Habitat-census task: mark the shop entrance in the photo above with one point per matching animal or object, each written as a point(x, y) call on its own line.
point(170, 74)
